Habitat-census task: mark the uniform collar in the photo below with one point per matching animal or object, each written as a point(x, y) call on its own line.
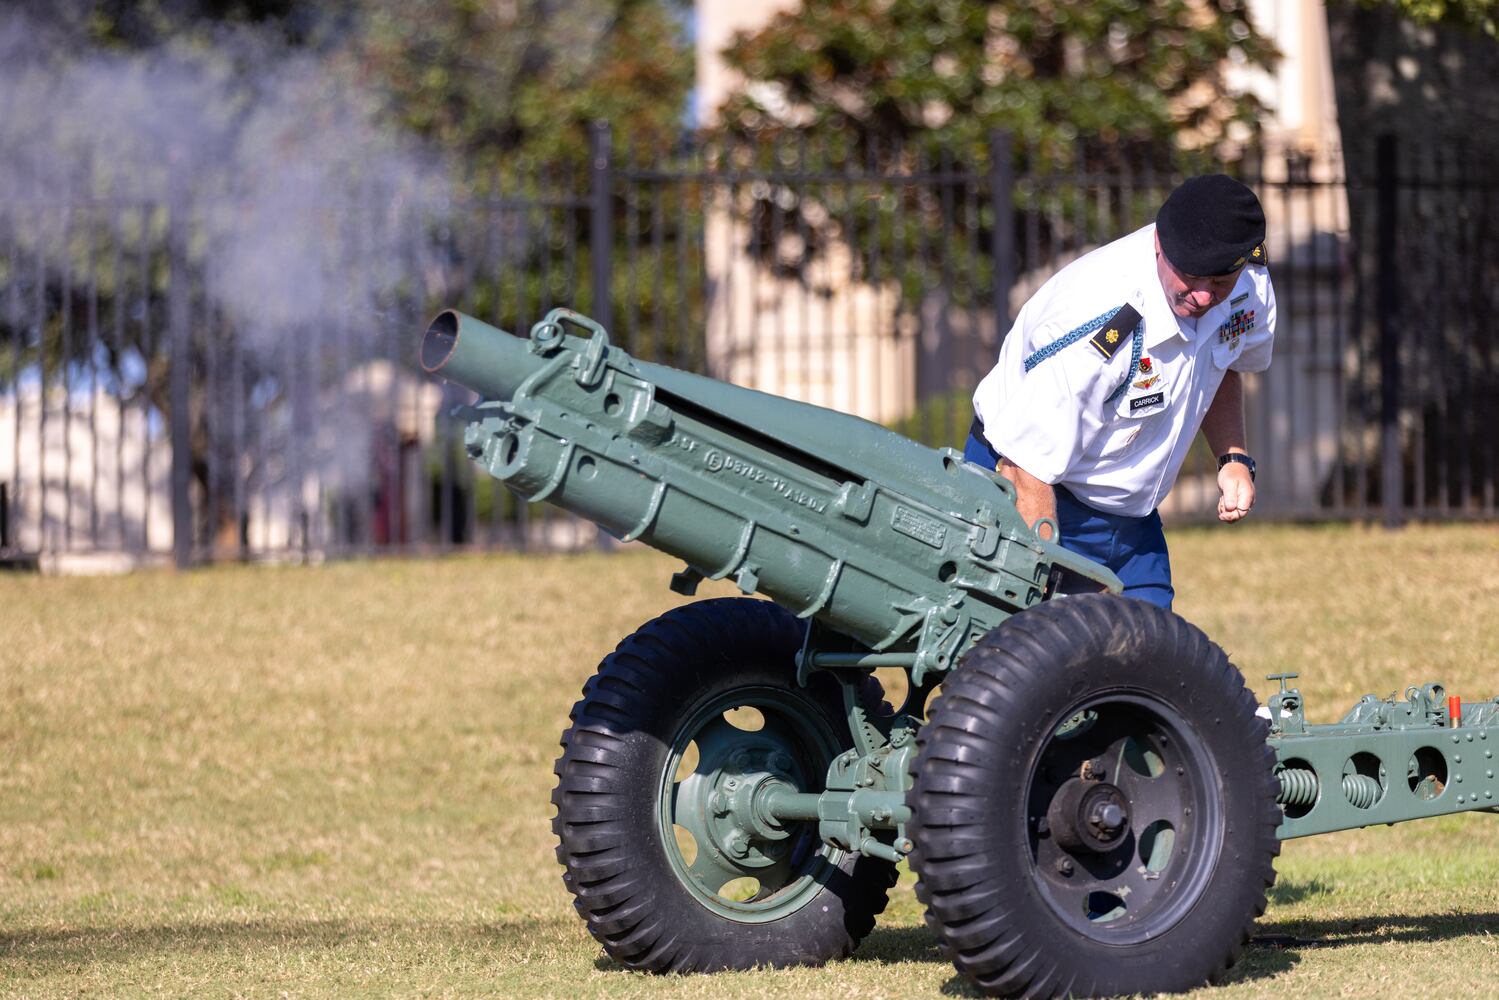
point(1150, 299)
point(1220, 313)
point(1161, 324)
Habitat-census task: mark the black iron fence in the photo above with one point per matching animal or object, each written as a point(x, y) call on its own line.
point(199, 379)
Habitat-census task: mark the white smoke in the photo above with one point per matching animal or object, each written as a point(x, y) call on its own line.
point(302, 215)
point(271, 149)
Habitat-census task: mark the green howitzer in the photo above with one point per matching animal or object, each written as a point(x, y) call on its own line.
point(1092, 806)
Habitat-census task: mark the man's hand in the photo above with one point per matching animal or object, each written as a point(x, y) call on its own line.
point(1236, 492)
point(1034, 499)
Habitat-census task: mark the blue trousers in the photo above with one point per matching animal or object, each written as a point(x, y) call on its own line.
point(1133, 547)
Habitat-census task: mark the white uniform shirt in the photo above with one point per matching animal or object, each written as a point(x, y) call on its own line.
point(1058, 421)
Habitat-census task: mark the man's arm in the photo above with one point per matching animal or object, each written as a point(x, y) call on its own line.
point(1223, 426)
point(1033, 498)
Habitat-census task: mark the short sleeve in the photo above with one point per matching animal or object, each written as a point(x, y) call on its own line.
point(1259, 342)
point(1044, 420)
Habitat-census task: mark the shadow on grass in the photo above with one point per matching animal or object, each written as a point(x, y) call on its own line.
point(1294, 935)
point(917, 944)
point(1276, 949)
point(1273, 951)
point(115, 944)
point(1285, 892)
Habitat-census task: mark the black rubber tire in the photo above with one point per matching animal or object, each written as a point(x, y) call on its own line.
point(613, 758)
point(984, 768)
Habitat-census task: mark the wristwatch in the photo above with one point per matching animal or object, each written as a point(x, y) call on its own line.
point(1241, 459)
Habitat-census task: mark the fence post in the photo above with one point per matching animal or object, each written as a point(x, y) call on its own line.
point(601, 223)
point(1002, 240)
point(1392, 479)
point(179, 333)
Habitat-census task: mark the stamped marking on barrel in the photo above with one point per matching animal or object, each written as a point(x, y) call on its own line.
point(719, 461)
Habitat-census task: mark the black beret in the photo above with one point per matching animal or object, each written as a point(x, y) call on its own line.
point(1211, 225)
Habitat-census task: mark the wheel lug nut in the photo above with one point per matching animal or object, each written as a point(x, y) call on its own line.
point(1064, 866)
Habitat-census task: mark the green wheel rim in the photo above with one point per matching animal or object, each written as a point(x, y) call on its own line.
point(794, 746)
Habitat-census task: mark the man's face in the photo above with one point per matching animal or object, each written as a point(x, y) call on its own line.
point(1190, 296)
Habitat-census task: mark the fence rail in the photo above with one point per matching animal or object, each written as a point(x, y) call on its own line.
point(202, 379)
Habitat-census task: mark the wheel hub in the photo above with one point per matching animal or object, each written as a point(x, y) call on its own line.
point(721, 837)
point(740, 805)
point(1089, 816)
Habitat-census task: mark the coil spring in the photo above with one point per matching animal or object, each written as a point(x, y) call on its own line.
point(1298, 787)
point(1361, 790)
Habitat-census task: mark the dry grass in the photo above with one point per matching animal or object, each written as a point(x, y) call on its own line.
point(333, 781)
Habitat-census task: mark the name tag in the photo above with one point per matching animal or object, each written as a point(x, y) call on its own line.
point(1140, 402)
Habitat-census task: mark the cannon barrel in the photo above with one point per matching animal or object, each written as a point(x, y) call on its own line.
point(902, 548)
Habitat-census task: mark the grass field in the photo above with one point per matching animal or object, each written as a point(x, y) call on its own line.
point(333, 781)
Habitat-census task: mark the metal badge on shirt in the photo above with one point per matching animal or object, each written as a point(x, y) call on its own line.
point(1146, 391)
point(1149, 376)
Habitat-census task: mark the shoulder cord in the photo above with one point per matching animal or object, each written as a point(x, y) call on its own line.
point(1092, 326)
point(1136, 347)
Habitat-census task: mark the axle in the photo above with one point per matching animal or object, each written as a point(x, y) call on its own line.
point(1386, 761)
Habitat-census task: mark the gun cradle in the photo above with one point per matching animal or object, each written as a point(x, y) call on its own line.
point(901, 548)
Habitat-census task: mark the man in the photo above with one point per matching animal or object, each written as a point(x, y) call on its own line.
point(1113, 366)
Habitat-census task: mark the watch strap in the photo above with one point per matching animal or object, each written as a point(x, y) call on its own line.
point(1241, 459)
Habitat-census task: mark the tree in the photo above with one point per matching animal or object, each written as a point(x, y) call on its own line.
point(486, 82)
point(948, 72)
point(495, 82)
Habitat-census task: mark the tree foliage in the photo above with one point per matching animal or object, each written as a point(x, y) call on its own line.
point(490, 81)
point(1478, 15)
point(947, 72)
point(486, 82)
